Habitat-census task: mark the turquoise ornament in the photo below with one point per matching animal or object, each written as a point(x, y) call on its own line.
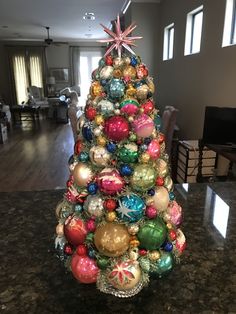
point(152, 234)
point(106, 106)
point(116, 88)
point(83, 157)
point(101, 62)
point(131, 208)
point(163, 265)
point(157, 122)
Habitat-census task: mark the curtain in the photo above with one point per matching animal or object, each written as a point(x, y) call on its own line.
point(36, 71)
point(20, 78)
point(75, 65)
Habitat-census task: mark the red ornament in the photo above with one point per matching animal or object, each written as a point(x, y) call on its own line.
point(148, 106)
point(110, 204)
point(151, 212)
point(78, 147)
point(127, 79)
point(142, 252)
point(74, 230)
point(159, 181)
point(90, 225)
point(84, 268)
point(172, 235)
point(161, 138)
point(90, 113)
point(69, 183)
point(109, 60)
point(110, 181)
point(68, 249)
point(81, 250)
point(142, 71)
point(116, 128)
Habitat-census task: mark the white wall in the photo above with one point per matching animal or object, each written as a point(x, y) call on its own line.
point(206, 79)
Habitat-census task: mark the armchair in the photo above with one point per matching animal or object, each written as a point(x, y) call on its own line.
point(36, 97)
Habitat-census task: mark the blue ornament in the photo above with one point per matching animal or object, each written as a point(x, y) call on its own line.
point(171, 196)
point(83, 157)
point(91, 253)
point(147, 140)
point(92, 188)
point(111, 147)
point(157, 122)
point(133, 61)
point(87, 131)
point(151, 192)
point(168, 246)
point(143, 147)
point(138, 84)
point(126, 170)
point(78, 208)
point(116, 88)
point(103, 82)
point(131, 208)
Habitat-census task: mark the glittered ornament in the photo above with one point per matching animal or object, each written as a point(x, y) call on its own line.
point(151, 212)
point(154, 149)
point(118, 62)
point(142, 71)
point(110, 216)
point(99, 120)
point(125, 275)
point(111, 239)
point(81, 250)
point(106, 72)
point(95, 89)
point(106, 106)
point(93, 206)
point(101, 140)
point(145, 157)
point(90, 113)
point(142, 92)
point(131, 208)
point(130, 90)
point(116, 88)
point(92, 188)
point(110, 204)
point(84, 269)
point(160, 198)
point(99, 156)
point(129, 71)
point(133, 228)
point(128, 153)
point(154, 255)
point(152, 234)
point(143, 125)
point(143, 177)
point(82, 174)
point(117, 73)
point(90, 225)
point(74, 230)
point(116, 128)
point(110, 181)
point(129, 106)
point(159, 181)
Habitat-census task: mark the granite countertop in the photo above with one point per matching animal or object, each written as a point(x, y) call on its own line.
point(33, 280)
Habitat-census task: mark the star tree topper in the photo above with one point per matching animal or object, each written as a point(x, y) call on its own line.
point(120, 39)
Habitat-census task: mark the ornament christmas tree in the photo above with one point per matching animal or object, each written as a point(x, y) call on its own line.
point(119, 221)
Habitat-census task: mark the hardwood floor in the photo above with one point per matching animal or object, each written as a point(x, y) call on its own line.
point(35, 157)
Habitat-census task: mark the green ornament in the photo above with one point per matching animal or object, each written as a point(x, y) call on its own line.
point(103, 262)
point(143, 177)
point(163, 265)
point(89, 237)
point(152, 234)
point(128, 153)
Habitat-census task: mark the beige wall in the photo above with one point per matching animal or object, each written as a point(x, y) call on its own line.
point(206, 79)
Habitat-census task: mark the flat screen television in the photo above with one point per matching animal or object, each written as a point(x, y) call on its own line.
point(220, 126)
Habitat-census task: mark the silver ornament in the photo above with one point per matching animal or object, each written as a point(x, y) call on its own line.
point(94, 206)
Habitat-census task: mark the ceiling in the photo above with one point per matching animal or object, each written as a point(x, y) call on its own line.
point(26, 19)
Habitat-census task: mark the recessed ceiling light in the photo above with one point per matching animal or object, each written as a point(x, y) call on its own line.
point(89, 16)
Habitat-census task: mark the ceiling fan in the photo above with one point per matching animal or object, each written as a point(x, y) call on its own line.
point(48, 40)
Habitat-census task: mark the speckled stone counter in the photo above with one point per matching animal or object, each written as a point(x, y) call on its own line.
point(33, 280)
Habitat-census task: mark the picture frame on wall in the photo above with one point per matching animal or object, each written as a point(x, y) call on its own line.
point(61, 75)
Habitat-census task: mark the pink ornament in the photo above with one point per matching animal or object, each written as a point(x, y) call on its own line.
point(129, 106)
point(151, 212)
point(143, 125)
point(91, 225)
point(180, 243)
point(84, 269)
point(154, 149)
point(116, 128)
point(110, 181)
point(74, 230)
point(148, 106)
point(174, 212)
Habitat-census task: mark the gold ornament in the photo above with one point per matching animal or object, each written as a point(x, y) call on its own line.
point(112, 239)
point(133, 229)
point(99, 156)
point(161, 167)
point(150, 84)
point(117, 112)
point(131, 119)
point(130, 90)
point(99, 119)
point(142, 92)
point(117, 73)
point(130, 71)
point(134, 243)
point(82, 174)
point(169, 225)
point(97, 131)
point(106, 72)
point(101, 140)
point(145, 157)
point(60, 230)
point(127, 60)
point(118, 62)
point(111, 216)
point(154, 255)
point(168, 183)
point(141, 110)
point(125, 275)
point(96, 89)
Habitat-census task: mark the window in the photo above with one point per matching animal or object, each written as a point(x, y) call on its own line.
point(27, 71)
point(168, 46)
point(193, 31)
point(229, 35)
point(88, 62)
